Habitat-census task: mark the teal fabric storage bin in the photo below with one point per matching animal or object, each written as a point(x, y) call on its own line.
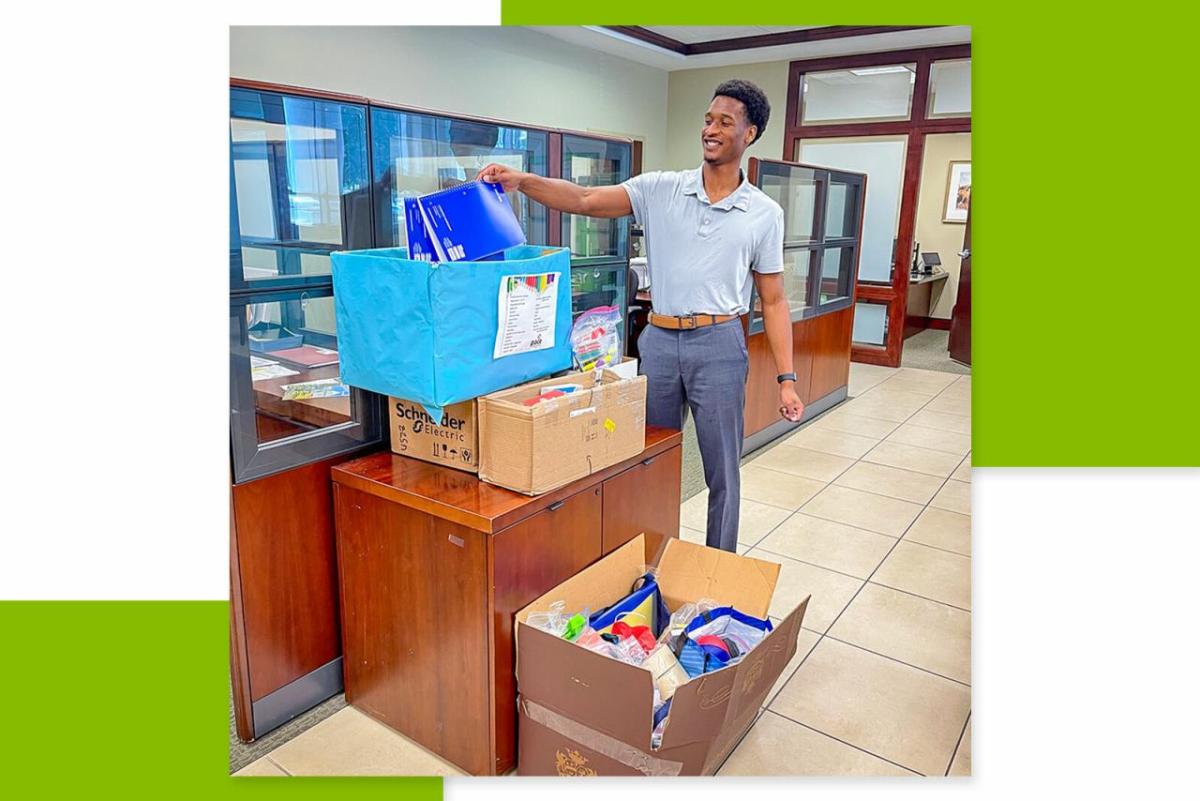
point(426, 332)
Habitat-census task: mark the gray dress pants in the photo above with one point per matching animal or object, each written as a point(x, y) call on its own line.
point(703, 369)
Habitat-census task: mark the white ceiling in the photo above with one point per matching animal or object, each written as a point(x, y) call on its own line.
point(606, 41)
point(690, 34)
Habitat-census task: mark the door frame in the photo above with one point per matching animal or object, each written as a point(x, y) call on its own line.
point(916, 128)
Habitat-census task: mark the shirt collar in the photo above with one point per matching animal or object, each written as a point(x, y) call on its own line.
point(693, 184)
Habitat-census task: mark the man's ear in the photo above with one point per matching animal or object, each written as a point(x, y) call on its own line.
point(751, 132)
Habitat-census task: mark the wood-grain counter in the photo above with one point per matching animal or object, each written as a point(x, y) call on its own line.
point(433, 565)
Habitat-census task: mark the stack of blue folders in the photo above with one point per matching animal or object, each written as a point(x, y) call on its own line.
point(469, 222)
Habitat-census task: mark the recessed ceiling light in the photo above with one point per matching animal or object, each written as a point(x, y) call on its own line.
point(880, 70)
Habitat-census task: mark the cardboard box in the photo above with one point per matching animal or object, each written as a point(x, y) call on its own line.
point(581, 713)
point(534, 449)
point(452, 441)
point(626, 368)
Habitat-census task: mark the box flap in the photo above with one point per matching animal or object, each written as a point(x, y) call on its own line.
point(689, 572)
point(718, 705)
point(606, 694)
point(598, 585)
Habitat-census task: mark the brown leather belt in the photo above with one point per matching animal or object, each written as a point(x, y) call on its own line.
point(688, 321)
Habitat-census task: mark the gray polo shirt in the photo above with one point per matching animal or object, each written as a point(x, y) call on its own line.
point(700, 254)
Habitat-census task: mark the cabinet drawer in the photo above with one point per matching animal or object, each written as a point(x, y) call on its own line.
point(644, 498)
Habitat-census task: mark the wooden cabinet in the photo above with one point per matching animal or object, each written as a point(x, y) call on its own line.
point(643, 499)
point(285, 643)
point(434, 564)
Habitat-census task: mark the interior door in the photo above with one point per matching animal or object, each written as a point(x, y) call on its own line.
point(960, 318)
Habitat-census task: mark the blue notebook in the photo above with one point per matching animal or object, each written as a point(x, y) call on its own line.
point(420, 246)
point(470, 222)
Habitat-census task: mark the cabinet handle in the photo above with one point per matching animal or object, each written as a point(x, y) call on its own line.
point(648, 462)
point(554, 507)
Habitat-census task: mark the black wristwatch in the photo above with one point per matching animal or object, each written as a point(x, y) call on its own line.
point(786, 377)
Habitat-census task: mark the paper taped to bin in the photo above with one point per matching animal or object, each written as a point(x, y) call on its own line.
point(427, 331)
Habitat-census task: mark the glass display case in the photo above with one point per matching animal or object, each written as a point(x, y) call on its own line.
point(600, 285)
point(299, 190)
point(595, 162)
point(310, 174)
point(822, 212)
point(299, 187)
point(414, 154)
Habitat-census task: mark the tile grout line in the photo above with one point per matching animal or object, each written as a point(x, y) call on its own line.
point(966, 684)
point(958, 744)
point(881, 562)
point(937, 547)
point(844, 742)
point(868, 581)
point(915, 595)
point(811, 564)
point(287, 772)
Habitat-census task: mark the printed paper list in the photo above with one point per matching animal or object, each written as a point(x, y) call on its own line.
point(527, 305)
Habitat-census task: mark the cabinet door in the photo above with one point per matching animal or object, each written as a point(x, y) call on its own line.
point(529, 559)
point(414, 624)
point(644, 498)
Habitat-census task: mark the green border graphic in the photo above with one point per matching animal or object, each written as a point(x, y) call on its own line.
point(132, 698)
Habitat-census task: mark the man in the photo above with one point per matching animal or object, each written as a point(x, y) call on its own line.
point(708, 234)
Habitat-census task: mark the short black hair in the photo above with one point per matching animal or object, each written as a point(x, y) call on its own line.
point(758, 108)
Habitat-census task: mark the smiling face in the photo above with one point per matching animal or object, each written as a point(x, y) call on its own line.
point(726, 133)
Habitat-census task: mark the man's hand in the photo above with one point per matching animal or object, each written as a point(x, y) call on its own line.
point(507, 177)
point(790, 406)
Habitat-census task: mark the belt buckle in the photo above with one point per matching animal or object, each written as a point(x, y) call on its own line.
point(691, 317)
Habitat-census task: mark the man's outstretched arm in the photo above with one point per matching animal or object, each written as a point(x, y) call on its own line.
point(591, 201)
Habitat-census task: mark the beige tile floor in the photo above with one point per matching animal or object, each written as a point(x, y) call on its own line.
point(868, 508)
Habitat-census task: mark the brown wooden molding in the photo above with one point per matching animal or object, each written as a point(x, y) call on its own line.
point(762, 40)
point(650, 37)
point(882, 58)
point(286, 89)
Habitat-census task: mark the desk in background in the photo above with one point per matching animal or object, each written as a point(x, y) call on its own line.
point(923, 293)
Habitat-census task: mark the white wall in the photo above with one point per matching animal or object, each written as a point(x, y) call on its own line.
point(946, 239)
point(690, 91)
point(508, 73)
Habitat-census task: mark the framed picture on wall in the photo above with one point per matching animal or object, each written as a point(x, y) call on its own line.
point(958, 192)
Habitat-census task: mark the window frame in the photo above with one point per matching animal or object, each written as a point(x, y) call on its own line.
point(819, 243)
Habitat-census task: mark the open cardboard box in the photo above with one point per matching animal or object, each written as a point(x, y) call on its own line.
point(534, 449)
point(582, 713)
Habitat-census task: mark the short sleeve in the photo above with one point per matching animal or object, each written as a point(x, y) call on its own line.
point(641, 190)
point(768, 255)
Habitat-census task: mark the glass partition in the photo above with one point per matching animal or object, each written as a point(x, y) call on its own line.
point(950, 89)
point(870, 322)
point(298, 185)
point(795, 190)
point(823, 213)
point(862, 94)
point(414, 154)
point(601, 285)
point(298, 190)
point(882, 159)
point(595, 162)
point(287, 401)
